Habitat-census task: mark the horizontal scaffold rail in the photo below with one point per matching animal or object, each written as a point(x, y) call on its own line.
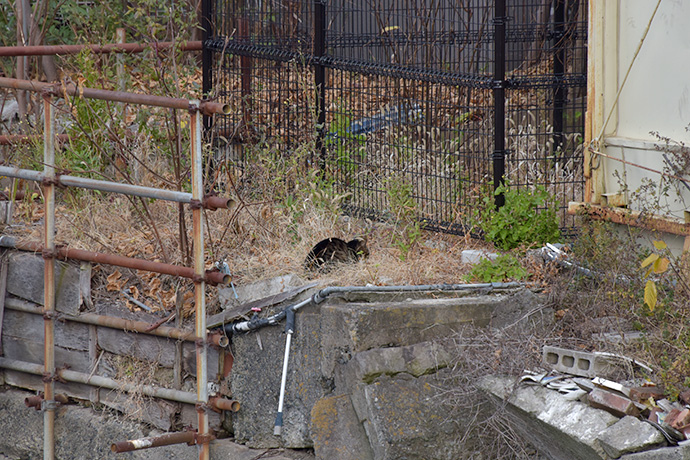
point(61, 50)
point(62, 90)
point(210, 202)
point(61, 252)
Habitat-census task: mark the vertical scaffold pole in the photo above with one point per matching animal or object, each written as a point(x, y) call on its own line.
point(49, 280)
point(199, 285)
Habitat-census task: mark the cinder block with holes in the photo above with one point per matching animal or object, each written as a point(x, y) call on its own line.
point(577, 362)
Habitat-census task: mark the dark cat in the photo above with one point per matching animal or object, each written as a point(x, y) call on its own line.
point(331, 251)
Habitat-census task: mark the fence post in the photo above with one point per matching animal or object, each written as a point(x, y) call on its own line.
point(559, 96)
point(499, 85)
point(320, 78)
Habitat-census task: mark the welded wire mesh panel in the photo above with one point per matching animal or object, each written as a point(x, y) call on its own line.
point(546, 99)
point(409, 106)
point(397, 96)
point(438, 36)
point(388, 137)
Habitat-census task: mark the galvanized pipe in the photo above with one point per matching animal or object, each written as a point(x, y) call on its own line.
point(111, 384)
point(210, 202)
point(60, 90)
point(216, 338)
point(212, 277)
point(188, 437)
point(199, 285)
point(61, 50)
point(49, 280)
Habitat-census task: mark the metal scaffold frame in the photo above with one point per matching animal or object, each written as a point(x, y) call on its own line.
point(50, 252)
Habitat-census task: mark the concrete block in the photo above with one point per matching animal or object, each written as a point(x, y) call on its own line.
point(357, 326)
point(402, 419)
point(416, 360)
point(29, 326)
point(337, 431)
point(34, 383)
point(25, 280)
point(582, 363)
point(474, 256)
point(629, 435)
point(158, 413)
point(255, 382)
point(257, 290)
point(141, 346)
point(33, 352)
point(619, 406)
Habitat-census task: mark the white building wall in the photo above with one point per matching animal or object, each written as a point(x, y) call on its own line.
point(655, 97)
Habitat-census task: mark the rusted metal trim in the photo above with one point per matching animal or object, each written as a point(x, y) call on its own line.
point(11, 139)
point(216, 338)
point(128, 48)
point(187, 437)
point(104, 382)
point(37, 401)
point(633, 218)
point(60, 90)
point(224, 404)
point(211, 277)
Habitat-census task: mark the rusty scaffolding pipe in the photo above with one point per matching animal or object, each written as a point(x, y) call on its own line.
point(199, 287)
point(108, 383)
point(128, 48)
point(188, 437)
point(210, 202)
point(212, 277)
point(11, 139)
point(61, 90)
point(36, 401)
point(49, 405)
point(216, 338)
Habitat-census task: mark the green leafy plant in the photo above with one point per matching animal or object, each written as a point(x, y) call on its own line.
point(404, 208)
point(528, 218)
point(346, 146)
point(655, 264)
point(505, 267)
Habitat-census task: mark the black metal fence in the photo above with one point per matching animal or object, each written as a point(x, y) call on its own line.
point(436, 99)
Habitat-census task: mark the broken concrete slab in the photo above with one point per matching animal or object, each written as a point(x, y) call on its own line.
point(402, 418)
point(666, 453)
point(559, 428)
point(337, 431)
point(356, 326)
point(257, 290)
point(629, 435)
point(25, 280)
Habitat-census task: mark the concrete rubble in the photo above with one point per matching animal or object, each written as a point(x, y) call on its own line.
point(363, 377)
